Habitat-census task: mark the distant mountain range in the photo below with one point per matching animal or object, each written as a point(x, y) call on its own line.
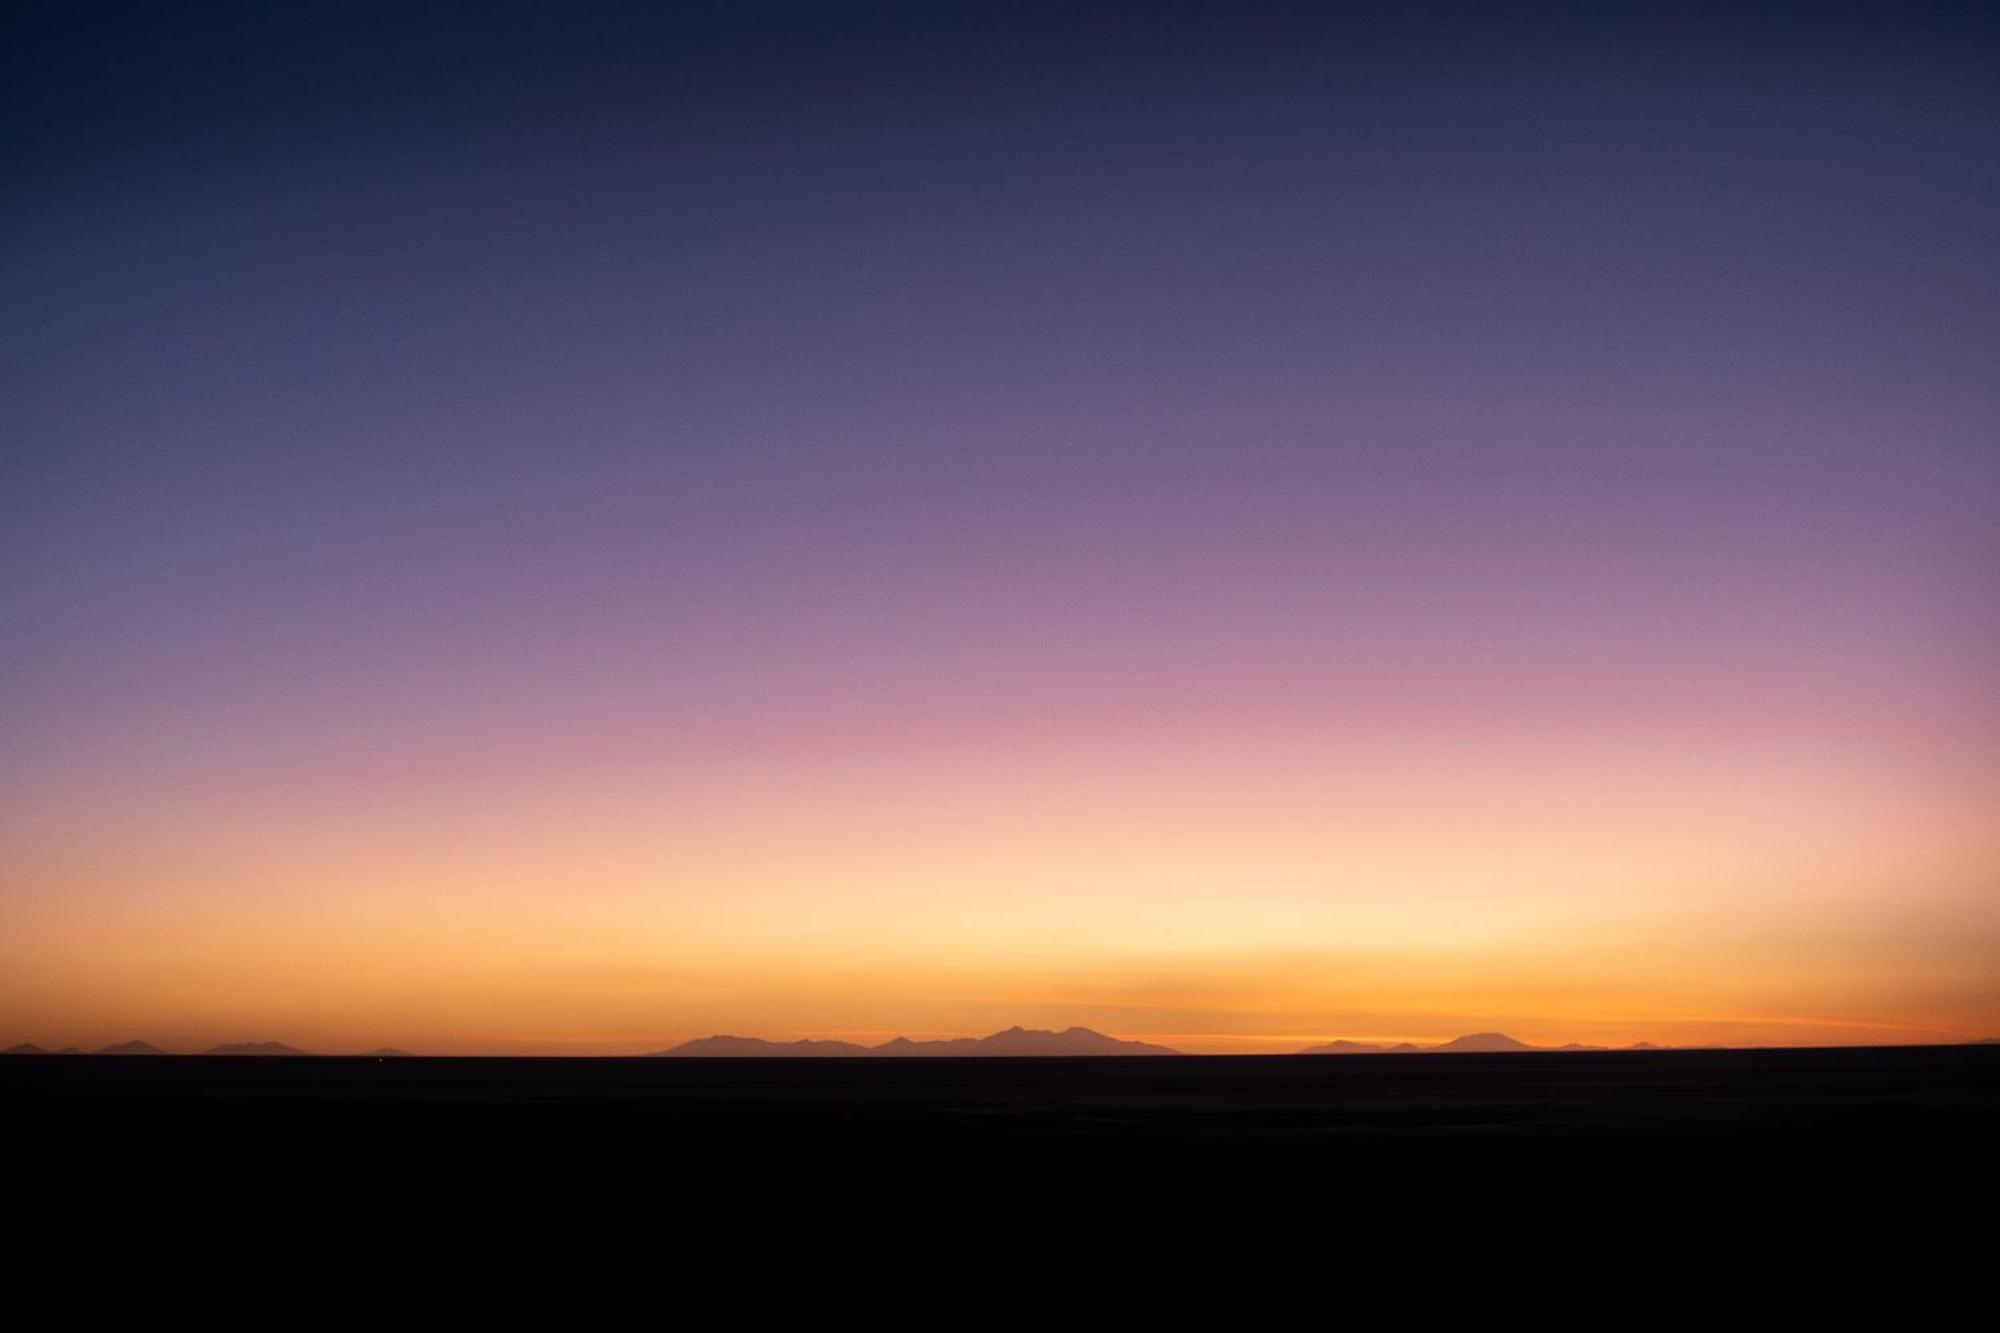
point(757, 1046)
point(1476, 1043)
point(1014, 1041)
point(1481, 1043)
point(147, 1048)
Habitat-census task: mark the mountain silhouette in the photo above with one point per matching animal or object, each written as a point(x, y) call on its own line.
point(1474, 1043)
point(1643, 1046)
point(1025, 1041)
point(1480, 1043)
point(1578, 1046)
point(253, 1048)
point(724, 1045)
point(386, 1052)
point(132, 1048)
point(1016, 1041)
point(25, 1048)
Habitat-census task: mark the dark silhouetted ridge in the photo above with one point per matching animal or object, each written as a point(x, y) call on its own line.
point(1025, 1041)
point(253, 1048)
point(1481, 1043)
point(1015, 1041)
point(1477, 1043)
point(725, 1045)
point(25, 1048)
point(132, 1048)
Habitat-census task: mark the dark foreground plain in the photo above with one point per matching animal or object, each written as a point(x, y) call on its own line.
point(1541, 1173)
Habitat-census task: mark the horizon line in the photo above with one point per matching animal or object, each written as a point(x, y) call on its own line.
point(788, 1048)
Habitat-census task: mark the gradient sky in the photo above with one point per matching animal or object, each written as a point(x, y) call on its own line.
point(569, 527)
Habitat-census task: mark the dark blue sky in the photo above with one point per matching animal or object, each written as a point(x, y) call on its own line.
point(318, 316)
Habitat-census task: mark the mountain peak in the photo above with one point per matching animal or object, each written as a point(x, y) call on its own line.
point(726, 1046)
point(1482, 1043)
point(1013, 1041)
point(1020, 1041)
point(1473, 1043)
point(1343, 1047)
point(253, 1048)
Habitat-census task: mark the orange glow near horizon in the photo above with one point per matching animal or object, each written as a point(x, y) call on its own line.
point(1234, 887)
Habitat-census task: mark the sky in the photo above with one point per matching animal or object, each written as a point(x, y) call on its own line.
point(564, 528)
